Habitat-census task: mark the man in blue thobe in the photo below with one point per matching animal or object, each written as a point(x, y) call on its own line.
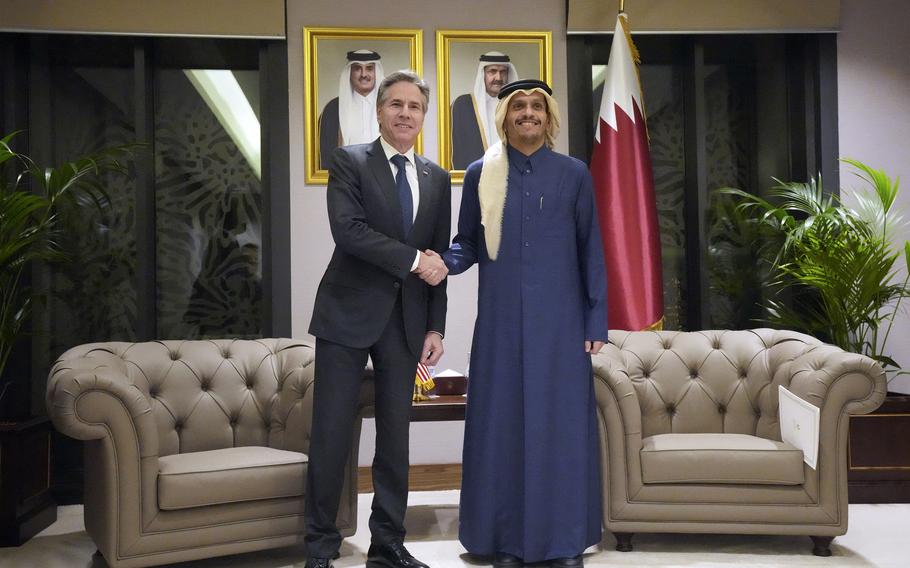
point(531, 479)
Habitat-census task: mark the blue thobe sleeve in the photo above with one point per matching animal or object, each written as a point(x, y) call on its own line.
point(591, 261)
point(464, 250)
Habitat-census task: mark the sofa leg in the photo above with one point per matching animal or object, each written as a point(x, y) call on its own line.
point(822, 545)
point(98, 560)
point(623, 541)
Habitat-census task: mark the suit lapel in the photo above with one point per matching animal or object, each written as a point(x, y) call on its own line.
point(423, 183)
point(382, 172)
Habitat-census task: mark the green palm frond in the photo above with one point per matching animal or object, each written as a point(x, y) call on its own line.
point(879, 180)
point(875, 201)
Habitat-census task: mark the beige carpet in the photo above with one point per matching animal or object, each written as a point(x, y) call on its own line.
point(877, 537)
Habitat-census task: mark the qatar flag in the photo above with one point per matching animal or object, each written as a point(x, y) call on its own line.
point(624, 191)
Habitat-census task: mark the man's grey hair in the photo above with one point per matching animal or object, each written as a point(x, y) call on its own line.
point(407, 76)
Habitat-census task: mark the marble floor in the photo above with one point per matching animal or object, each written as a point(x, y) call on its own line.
point(879, 535)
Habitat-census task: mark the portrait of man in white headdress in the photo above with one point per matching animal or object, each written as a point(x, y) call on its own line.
point(350, 118)
point(473, 129)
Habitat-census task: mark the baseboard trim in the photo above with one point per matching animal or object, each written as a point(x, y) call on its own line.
point(421, 477)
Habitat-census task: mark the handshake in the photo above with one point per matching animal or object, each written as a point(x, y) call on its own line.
point(431, 268)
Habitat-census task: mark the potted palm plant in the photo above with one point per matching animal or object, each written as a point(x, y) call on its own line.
point(30, 230)
point(843, 278)
point(32, 212)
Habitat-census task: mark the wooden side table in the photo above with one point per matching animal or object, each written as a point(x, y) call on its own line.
point(879, 453)
point(26, 505)
point(449, 407)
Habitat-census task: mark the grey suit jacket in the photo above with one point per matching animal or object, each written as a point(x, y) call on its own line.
point(372, 259)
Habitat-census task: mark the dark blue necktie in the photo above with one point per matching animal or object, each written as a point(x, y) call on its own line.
point(404, 193)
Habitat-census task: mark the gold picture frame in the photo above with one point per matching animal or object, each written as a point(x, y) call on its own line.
point(457, 57)
point(324, 52)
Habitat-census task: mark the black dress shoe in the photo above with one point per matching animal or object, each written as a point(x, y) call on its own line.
point(316, 562)
point(574, 562)
point(393, 555)
point(504, 560)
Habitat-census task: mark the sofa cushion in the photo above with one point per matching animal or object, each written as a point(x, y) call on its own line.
point(719, 458)
point(229, 475)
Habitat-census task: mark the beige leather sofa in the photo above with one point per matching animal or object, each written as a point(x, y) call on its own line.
point(193, 448)
point(690, 439)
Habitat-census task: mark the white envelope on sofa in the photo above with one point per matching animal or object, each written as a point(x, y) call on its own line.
point(799, 422)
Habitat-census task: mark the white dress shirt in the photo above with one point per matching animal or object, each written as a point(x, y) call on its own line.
point(363, 107)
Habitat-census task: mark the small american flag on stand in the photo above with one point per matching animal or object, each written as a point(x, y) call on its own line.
point(423, 383)
point(423, 379)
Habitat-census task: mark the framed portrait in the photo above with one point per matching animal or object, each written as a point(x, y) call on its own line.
point(342, 71)
point(471, 67)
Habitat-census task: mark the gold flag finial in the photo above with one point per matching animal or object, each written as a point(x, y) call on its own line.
point(622, 6)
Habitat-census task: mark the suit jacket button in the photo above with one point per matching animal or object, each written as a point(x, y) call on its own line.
point(397, 285)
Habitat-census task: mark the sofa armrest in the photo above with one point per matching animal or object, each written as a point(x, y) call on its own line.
point(292, 415)
point(88, 397)
point(619, 420)
point(614, 391)
point(831, 378)
point(839, 383)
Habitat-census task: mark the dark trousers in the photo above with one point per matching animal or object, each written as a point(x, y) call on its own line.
point(339, 373)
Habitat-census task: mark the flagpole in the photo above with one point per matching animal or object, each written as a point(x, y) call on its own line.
point(622, 6)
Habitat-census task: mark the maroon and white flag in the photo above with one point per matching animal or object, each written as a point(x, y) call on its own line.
point(624, 191)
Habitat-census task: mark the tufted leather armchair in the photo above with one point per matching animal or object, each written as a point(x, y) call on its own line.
point(690, 440)
point(193, 448)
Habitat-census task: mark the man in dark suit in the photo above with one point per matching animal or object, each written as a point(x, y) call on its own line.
point(383, 295)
